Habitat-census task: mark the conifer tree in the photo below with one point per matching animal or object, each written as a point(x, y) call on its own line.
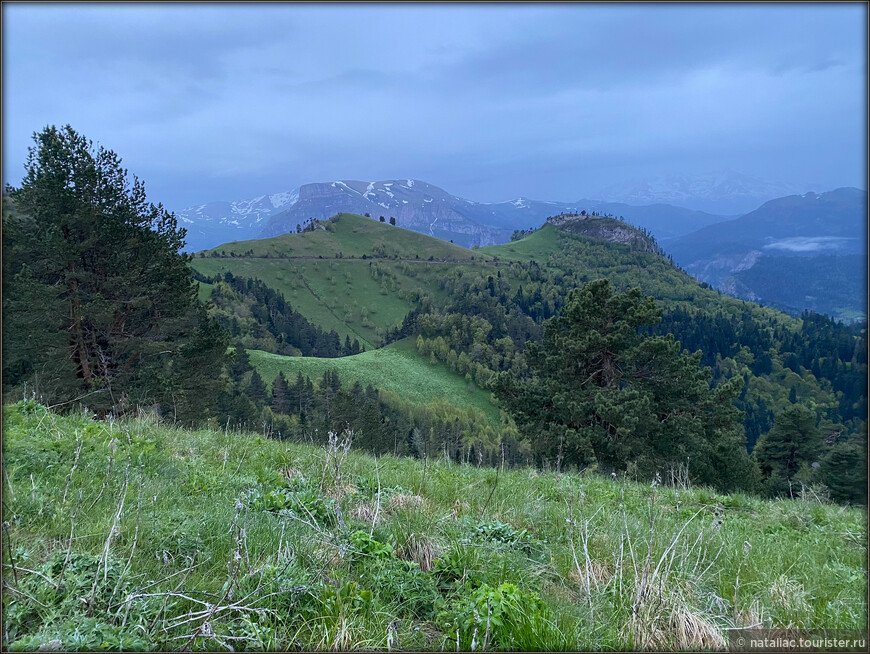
point(794, 440)
point(844, 471)
point(602, 392)
point(257, 388)
point(280, 395)
point(240, 363)
point(116, 300)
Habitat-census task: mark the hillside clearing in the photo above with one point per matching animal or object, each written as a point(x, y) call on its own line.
point(397, 368)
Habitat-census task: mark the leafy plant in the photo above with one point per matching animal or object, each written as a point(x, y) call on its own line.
point(501, 617)
point(300, 498)
point(403, 583)
point(500, 533)
point(363, 544)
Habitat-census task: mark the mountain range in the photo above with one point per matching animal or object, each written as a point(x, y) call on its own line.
point(416, 205)
point(774, 254)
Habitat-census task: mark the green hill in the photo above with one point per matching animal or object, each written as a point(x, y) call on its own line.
point(349, 235)
point(362, 298)
point(484, 310)
point(397, 368)
point(133, 535)
point(325, 277)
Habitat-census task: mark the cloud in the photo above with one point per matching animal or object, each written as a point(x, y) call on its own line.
point(213, 102)
point(811, 243)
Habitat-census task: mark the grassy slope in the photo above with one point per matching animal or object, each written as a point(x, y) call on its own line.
point(538, 246)
point(799, 563)
point(352, 236)
point(326, 290)
point(396, 368)
point(360, 298)
point(343, 294)
point(667, 284)
point(203, 291)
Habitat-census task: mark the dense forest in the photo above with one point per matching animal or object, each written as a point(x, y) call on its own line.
point(100, 309)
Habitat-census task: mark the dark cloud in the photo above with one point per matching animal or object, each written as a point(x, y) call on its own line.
point(228, 101)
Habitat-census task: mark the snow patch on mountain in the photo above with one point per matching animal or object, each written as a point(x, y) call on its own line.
point(282, 200)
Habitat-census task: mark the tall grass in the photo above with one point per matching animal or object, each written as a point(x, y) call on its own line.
point(130, 534)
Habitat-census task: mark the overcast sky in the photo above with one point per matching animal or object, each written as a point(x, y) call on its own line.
point(490, 102)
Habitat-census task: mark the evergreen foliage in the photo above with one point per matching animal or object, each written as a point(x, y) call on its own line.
point(263, 320)
point(94, 279)
point(601, 392)
point(793, 442)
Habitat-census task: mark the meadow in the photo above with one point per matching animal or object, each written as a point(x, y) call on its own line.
point(397, 368)
point(132, 534)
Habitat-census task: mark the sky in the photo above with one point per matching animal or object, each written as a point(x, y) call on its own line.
point(211, 102)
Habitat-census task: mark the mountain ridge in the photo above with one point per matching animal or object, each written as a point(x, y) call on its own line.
point(806, 226)
point(720, 192)
point(415, 204)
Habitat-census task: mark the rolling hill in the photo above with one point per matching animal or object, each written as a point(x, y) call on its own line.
point(396, 368)
point(475, 310)
point(367, 298)
point(352, 274)
point(361, 277)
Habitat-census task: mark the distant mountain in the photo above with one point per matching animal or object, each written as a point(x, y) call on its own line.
point(725, 192)
point(416, 205)
point(807, 226)
point(213, 223)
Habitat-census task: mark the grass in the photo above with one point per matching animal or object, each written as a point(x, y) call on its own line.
point(355, 297)
point(135, 535)
point(351, 235)
point(536, 247)
point(397, 368)
point(203, 291)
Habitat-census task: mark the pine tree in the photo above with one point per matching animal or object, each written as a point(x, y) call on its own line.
point(280, 395)
point(603, 392)
point(117, 300)
point(257, 388)
point(844, 471)
point(240, 363)
point(794, 440)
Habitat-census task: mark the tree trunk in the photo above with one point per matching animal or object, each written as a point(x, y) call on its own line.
point(76, 335)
